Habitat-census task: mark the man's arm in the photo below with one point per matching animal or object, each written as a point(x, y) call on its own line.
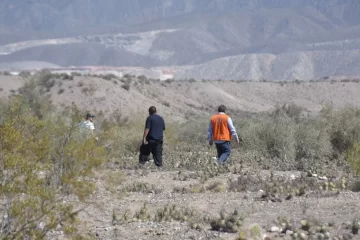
point(210, 133)
point(92, 128)
point(233, 130)
point(92, 131)
point(146, 130)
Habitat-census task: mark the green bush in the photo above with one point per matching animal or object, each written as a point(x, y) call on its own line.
point(193, 131)
point(343, 127)
point(294, 141)
point(271, 138)
point(34, 96)
point(312, 141)
point(42, 162)
point(25, 74)
point(126, 86)
point(292, 111)
point(353, 157)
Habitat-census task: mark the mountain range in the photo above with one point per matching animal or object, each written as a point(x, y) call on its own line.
point(203, 39)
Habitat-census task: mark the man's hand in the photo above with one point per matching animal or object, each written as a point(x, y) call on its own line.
point(238, 141)
point(211, 142)
point(146, 132)
point(96, 138)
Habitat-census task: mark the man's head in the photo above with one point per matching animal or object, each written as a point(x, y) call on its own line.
point(222, 108)
point(89, 116)
point(152, 110)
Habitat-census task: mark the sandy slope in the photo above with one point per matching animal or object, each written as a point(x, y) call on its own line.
point(184, 99)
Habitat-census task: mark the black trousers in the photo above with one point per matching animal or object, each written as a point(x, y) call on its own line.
point(155, 147)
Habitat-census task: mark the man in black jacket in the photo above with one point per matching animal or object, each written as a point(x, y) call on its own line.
point(153, 138)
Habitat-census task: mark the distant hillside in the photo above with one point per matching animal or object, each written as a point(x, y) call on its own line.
point(181, 100)
point(286, 66)
point(50, 15)
point(193, 33)
point(26, 65)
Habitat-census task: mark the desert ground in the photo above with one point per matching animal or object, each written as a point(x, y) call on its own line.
point(334, 211)
point(191, 197)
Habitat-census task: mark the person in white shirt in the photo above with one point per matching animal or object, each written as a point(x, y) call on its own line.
point(89, 124)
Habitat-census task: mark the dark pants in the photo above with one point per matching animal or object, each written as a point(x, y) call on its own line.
point(154, 147)
point(223, 151)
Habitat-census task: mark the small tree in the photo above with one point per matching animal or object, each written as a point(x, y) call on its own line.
point(41, 164)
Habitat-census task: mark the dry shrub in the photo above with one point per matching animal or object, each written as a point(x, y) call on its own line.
point(194, 131)
point(343, 127)
point(227, 223)
point(126, 86)
point(353, 157)
point(290, 139)
point(217, 186)
point(292, 111)
point(285, 139)
point(43, 162)
point(109, 76)
point(246, 182)
point(142, 187)
point(121, 137)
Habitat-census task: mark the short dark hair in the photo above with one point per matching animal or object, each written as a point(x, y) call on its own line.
point(221, 108)
point(152, 110)
point(89, 115)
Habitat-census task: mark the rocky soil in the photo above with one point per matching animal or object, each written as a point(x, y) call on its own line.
point(113, 208)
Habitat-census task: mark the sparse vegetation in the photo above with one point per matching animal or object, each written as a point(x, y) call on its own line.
point(25, 74)
point(61, 90)
point(169, 80)
point(353, 157)
point(167, 213)
point(142, 187)
point(286, 156)
point(227, 223)
point(75, 74)
point(173, 212)
point(109, 76)
point(6, 73)
point(114, 180)
point(167, 104)
point(126, 86)
point(39, 172)
point(142, 78)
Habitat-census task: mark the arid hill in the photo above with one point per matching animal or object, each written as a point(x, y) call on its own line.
point(185, 99)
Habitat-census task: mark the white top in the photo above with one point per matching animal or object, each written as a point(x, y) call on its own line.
point(88, 124)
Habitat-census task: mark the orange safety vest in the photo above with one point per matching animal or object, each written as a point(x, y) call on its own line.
point(220, 128)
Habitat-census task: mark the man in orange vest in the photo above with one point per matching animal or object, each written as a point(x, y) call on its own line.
point(221, 130)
